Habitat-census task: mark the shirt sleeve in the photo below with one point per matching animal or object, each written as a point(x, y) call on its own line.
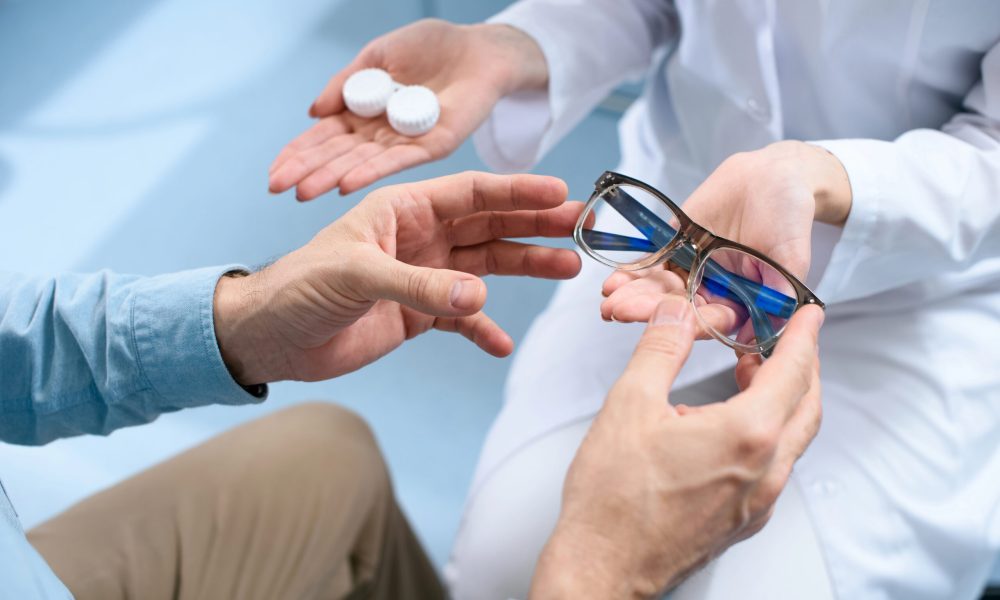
point(926, 203)
point(93, 353)
point(591, 46)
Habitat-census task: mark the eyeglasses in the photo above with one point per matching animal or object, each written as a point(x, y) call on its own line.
point(741, 297)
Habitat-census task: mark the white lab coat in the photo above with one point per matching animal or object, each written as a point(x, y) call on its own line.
point(903, 481)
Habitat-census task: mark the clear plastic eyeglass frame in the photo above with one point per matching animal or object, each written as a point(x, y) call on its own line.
point(687, 247)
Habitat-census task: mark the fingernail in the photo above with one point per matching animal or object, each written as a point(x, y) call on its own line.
point(312, 110)
point(672, 310)
point(464, 293)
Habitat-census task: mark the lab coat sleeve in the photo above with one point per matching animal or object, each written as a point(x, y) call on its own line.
point(92, 353)
point(924, 204)
point(591, 46)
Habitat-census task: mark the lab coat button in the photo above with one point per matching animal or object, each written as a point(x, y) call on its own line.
point(826, 487)
point(757, 109)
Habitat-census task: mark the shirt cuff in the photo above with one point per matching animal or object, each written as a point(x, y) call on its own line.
point(173, 330)
point(867, 163)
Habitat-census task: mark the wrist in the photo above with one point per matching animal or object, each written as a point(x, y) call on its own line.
point(824, 176)
point(574, 565)
point(246, 346)
point(526, 67)
point(830, 184)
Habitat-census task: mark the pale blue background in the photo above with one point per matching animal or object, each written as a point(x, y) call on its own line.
point(137, 136)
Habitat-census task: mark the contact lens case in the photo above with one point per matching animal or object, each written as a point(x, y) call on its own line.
point(412, 110)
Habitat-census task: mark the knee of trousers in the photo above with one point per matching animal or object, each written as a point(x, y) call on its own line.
point(325, 441)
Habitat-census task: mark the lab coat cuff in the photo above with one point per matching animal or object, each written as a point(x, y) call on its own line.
point(519, 131)
point(173, 330)
point(868, 164)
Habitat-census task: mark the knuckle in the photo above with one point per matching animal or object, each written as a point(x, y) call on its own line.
point(418, 285)
point(490, 261)
point(450, 236)
point(755, 441)
point(496, 225)
point(296, 163)
point(479, 200)
point(766, 495)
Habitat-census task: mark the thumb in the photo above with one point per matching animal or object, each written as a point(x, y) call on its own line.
point(438, 292)
point(331, 100)
point(663, 349)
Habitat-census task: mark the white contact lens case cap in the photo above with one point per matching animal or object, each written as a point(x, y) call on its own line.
point(413, 110)
point(367, 92)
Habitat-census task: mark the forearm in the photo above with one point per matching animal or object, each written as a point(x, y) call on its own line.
point(92, 353)
point(589, 48)
point(520, 63)
point(576, 563)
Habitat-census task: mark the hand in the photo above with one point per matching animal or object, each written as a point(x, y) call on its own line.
point(767, 199)
point(403, 261)
point(469, 68)
point(655, 491)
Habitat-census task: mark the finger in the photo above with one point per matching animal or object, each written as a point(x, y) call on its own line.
point(661, 352)
point(438, 292)
point(481, 331)
point(617, 280)
point(779, 385)
point(638, 309)
point(494, 225)
point(327, 177)
point(314, 136)
point(305, 162)
point(803, 426)
point(502, 257)
point(655, 283)
point(798, 433)
point(467, 193)
point(746, 368)
point(392, 160)
point(622, 278)
point(331, 99)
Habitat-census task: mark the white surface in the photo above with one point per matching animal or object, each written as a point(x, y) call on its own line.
point(904, 479)
point(413, 110)
point(367, 92)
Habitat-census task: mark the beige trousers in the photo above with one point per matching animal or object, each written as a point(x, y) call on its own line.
point(295, 505)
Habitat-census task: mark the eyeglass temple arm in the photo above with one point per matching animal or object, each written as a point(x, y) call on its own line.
point(659, 234)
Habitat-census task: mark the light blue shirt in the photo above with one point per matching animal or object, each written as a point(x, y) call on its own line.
point(93, 353)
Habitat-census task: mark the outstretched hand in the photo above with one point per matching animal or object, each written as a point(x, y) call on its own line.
point(469, 68)
point(406, 259)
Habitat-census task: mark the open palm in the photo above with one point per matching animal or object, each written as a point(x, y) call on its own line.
point(758, 199)
point(464, 66)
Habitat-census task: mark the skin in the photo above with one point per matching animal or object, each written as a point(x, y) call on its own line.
point(405, 260)
point(698, 479)
point(767, 199)
point(469, 68)
point(408, 259)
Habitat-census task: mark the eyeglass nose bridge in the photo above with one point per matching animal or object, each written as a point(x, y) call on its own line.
point(689, 243)
point(695, 236)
